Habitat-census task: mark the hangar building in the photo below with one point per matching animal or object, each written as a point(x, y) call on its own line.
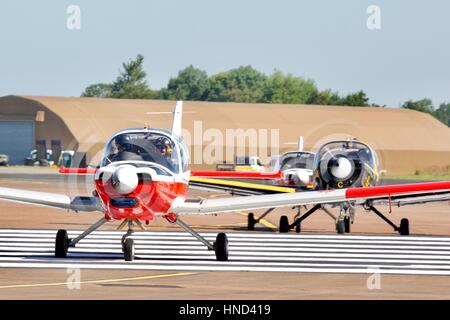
point(406, 140)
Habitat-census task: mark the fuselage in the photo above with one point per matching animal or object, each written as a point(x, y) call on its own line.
point(142, 172)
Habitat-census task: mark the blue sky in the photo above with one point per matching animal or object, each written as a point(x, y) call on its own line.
point(328, 41)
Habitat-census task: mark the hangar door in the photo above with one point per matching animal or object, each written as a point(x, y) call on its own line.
point(16, 140)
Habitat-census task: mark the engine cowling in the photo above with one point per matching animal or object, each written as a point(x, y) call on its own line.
point(125, 179)
point(339, 169)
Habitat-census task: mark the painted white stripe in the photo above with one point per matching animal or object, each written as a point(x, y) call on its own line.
point(143, 241)
point(248, 252)
point(233, 247)
point(211, 236)
point(150, 233)
point(235, 253)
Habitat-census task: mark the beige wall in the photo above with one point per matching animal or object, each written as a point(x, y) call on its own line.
point(406, 140)
point(53, 127)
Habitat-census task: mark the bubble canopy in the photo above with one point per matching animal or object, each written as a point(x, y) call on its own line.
point(297, 160)
point(148, 145)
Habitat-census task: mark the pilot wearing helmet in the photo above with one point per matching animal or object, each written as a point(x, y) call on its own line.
point(165, 147)
point(124, 150)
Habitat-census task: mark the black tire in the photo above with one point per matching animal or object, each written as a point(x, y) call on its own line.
point(221, 247)
point(347, 224)
point(284, 224)
point(404, 227)
point(251, 221)
point(298, 227)
point(340, 226)
point(61, 244)
point(128, 249)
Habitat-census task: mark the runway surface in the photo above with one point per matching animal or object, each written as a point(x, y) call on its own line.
point(32, 248)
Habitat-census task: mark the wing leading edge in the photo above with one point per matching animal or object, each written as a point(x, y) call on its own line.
point(424, 192)
point(86, 204)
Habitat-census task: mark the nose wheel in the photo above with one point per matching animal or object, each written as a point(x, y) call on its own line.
point(127, 242)
point(128, 249)
point(340, 226)
point(347, 222)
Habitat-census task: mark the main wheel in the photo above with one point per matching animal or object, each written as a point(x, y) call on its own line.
point(340, 226)
point(298, 227)
point(404, 227)
point(347, 224)
point(128, 249)
point(61, 244)
point(251, 221)
point(221, 247)
point(284, 224)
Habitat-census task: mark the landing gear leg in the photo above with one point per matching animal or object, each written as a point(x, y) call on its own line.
point(346, 214)
point(298, 227)
point(128, 243)
point(402, 229)
point(298, 220)
point(220, 247)
point(252, 221)
point(349, 218)
point(62, 241)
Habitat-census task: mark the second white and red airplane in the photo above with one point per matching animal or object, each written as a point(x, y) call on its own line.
point(144, 173)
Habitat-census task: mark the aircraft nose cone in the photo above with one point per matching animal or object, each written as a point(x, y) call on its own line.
point(303, 176)
point(125, 179)
point(342, 168)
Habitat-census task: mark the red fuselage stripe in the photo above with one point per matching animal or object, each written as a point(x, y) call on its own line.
point(412, 188)
point(77, 170)
point(238, 174)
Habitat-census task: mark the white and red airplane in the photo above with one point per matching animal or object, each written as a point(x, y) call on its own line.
point(144, 173)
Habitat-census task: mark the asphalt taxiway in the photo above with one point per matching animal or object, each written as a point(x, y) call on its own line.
point(263, 264)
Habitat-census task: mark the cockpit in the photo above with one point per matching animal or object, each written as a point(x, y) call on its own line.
point(297, 160)
point(347, 163)
point(157, 147)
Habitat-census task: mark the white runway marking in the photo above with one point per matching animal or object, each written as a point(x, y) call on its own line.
point(20, 248)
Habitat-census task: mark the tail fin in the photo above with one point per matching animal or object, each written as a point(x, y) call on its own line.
point(177, 115)
point(300, 144)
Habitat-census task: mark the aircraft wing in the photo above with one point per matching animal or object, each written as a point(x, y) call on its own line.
point(85, 204)
point(235, 187)
point(425, 192)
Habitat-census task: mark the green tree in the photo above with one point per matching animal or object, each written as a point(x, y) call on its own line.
point(443, 113)
point(423, 105)
point(243, 84)
point(280, 88)
point(131, 83)
point(190, 84)
point(326, 97)
point(99, 90)
point(356, 99)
